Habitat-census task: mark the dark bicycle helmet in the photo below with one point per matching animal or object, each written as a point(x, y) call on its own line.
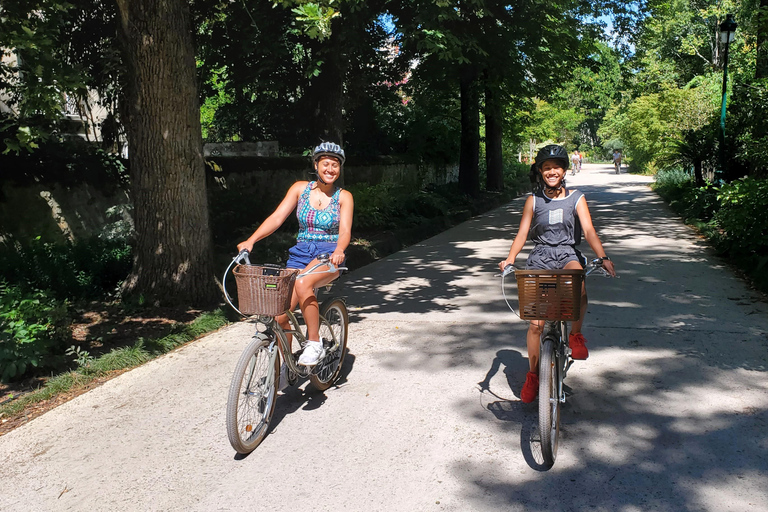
point(328, 149)
point(552, 152)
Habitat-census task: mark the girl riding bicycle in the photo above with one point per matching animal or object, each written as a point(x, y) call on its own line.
point(325, 226)
point(554, 216)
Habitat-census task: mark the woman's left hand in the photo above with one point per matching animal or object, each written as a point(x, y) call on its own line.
point(337, 258)
point(608, 265)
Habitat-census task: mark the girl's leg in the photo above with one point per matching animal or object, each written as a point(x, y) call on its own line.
point(576, 340)
point(304, 292)
point(533, 339)
point(576, 326)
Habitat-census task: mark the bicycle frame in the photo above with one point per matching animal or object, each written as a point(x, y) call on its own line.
point(274, 328)
point(557, 331)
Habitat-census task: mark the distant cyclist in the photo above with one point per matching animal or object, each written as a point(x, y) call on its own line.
point(617, 160)
point(575, 162)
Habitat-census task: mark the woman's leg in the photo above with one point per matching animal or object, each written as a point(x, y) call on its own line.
point(533, 339)
point(576, 326)
point(304, 292)
point(576, 340)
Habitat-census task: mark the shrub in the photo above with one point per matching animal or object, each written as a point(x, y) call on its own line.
point(84, 270)
point(742, 219)
point(30, 328)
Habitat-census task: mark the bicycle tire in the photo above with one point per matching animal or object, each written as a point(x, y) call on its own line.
point(334, 323)
point(251, 400)
point(549, 402)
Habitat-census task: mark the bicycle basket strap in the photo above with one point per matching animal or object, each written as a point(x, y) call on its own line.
point(264, 290)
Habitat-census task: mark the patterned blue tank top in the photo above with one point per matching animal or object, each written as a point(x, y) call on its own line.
point(318, 225)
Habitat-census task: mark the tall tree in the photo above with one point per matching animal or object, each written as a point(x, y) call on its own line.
point(762, 40)
point(173, 257)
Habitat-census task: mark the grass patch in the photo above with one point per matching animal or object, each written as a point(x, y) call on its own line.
point(116, 360)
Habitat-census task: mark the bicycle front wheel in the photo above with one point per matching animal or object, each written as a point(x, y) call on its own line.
point(549, 401)
point(334, 324)
point(252, 396)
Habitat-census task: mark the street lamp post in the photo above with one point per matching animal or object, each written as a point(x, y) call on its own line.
point(727, 34)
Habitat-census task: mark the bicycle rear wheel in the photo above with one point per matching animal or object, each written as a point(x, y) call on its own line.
point(549, 401)
point(252, 396)
point(334, 325)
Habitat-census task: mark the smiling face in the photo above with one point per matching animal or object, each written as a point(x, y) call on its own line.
point(328, 168)
point(552, 173)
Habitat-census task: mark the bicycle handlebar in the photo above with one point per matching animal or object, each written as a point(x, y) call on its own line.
point(243, 259)
point(596, 265)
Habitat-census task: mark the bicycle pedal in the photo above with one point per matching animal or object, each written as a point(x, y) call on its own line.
point(567, 390)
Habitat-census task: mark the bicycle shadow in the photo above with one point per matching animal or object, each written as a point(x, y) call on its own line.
point(513, 365)
point(306, 397)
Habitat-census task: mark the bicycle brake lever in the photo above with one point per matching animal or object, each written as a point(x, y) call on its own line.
point(243, 257)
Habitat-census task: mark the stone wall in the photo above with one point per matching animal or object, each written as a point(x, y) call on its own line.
point(57, 212)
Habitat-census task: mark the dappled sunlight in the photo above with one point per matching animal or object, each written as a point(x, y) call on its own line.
point(614, 304)
point(675, 386)
point(741, 493)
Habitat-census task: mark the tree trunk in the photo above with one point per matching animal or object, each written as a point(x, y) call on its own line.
point(698, 175)
point(328, 90)
point(173, 256)
point(493, 138)
point(762, 41)
point(469, 155)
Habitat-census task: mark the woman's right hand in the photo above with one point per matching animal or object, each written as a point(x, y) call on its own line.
point(248, 246)
point(503, 264)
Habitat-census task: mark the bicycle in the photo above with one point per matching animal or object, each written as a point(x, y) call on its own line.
point(555, 297)
point(617, 166)
point(264, 292)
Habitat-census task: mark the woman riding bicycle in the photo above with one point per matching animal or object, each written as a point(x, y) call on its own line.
point(554, 216)
point(325, 226)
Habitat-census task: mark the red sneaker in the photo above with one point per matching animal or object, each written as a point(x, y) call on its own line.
point(578, 347)
point(531, 388)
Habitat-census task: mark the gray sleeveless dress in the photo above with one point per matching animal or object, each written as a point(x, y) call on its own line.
point(555, 230)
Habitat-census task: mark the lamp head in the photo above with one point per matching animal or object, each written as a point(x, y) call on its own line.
point(728, 29)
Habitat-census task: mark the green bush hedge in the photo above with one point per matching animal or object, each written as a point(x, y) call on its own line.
point(38, 282)
point(732, 216)
point(31, 324)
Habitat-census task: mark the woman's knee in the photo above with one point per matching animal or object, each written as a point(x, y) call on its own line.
point(304, 288)
point(535, 328)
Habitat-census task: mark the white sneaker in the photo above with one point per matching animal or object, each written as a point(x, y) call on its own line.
point(313, 353)
point(283, 377)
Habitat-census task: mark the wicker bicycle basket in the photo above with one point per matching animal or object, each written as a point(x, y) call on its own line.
point(549, 294)
point(264, 291)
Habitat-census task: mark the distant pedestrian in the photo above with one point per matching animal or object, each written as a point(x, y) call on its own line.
point(617, 160)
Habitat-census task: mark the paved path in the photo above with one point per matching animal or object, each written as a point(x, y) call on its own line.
point(670, 411)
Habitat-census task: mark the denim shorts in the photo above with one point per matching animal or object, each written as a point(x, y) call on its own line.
point(301, 254)
point(548, 257)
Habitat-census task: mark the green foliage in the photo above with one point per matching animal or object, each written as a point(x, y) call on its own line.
point(84, 270)
point(732, 216)
point(55, 50)
point(743, 220)
point(552, 122)
point(648, 124)
point(82, 357)
point(30, 324)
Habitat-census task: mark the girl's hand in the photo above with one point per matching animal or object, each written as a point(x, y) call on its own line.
point(248, 246)
point(503, 264)
point(337, 258)
point(608, 265)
